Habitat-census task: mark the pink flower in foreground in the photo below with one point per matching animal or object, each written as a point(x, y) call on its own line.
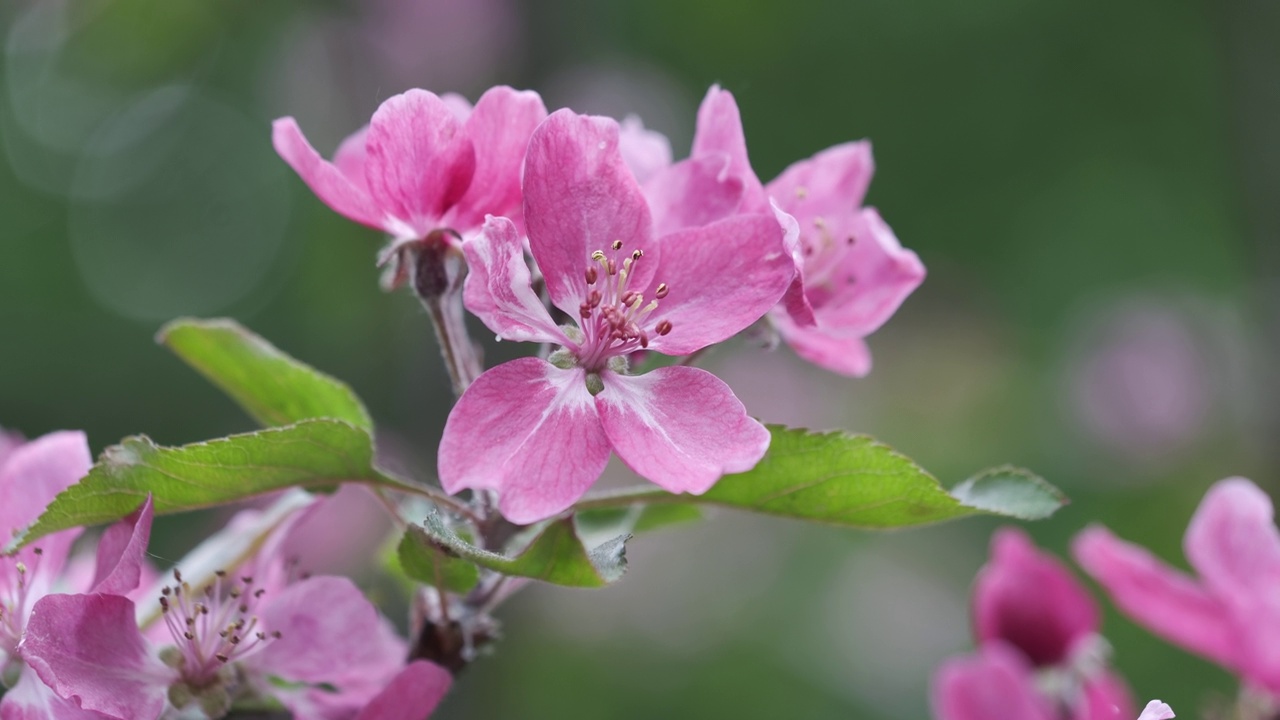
point(1231, 612)
point(424, 164)
point(540, 432)
point(316, 645)
point(1029, 599)
point(854, 272)
point(1156, 710)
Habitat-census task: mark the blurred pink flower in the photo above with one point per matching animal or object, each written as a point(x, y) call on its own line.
point(1229, 614)
point(1156, 710)
point(316, 644)
point(424, 164)
point(413, 694)
point(1028, 599)
point(540, 432)
point(853, 271)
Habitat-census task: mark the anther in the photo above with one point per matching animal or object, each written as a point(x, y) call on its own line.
point(644, 339)
point(662, 291)
point(851, 239)
point(617, 245)
point(584, 310)
point(611, 267)
point(177, 575)
point(592, 276)
point(594, 298)
point(37, 551)
point(637, 254)
point(663, 327)
point(221, 658)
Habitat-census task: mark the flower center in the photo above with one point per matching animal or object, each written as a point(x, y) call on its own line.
point(213, 627)
point(615, 318)
point(15, 594)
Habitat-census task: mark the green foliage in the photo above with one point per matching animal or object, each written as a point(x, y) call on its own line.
point(556, 554)
point(856, 481)
point(272, 387)
point(313, 454)
point(434, 563)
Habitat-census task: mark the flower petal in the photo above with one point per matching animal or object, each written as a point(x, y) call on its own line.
point(692, 193)
point(331, 634)
point(1156, 710)
point(1030, 600)
point(645, 151)
point(498, 289)
point(831, 183)
point(420, 161)
point(720, 134)
point(870, 282)
point(580, 197)
point(499, 128)
point(721, 278)
point(1164, 600)
point(122, 552)
point(411, 695)
point(1106, 697)
point(31, 699)
point(32, 476)
point(528, 430)
point(991, 685)
point(327, 181)
point(679, 427)
point(88, 649)
point(351, 158)
point(844, 354)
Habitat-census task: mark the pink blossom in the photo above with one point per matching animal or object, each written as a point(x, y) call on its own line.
point(1230, 613)
point(413, 694)
point(853, 271)
point(424, 164)
point(1156, 710)
point(1028, 599)
point(540, 431)
point(316, 644)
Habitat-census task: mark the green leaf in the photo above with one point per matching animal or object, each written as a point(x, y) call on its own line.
point(314, 454)
point(556, 554)
point(271, 386)
point(434, 563)
point(856, 481)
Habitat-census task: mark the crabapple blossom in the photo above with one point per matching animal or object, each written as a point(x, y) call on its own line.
point(1156, 710)
point(853, 272)
point(539, 432)
point(1230, 613)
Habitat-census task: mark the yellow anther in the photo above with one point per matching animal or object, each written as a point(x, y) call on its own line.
point(617, 245)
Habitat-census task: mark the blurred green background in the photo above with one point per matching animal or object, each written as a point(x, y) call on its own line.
point(1092, 186)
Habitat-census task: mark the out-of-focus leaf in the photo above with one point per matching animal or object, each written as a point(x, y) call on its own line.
point(314, 454)
point(434, 563)
point(556, 554)
point(272, 387)
point(856, 481)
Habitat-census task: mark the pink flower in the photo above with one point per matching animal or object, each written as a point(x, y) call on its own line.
point(316, 645)
point(31, 474)
point(1028, 599)
point(413, 694)
point(423, 164)
point(540, 432)
point(853, 271)
point(1229, 614)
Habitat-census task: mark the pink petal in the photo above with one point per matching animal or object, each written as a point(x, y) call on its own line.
point(844, 354)
point(122, 552)
point(330, 634)
point(692, 193)
point(679, 427)
point(721, 278)
point(528, 430)
point(1029, 599)
point(499, 129)
point(498, 289)
point(795, 302)
point(992, 685)
point(31, 699)
point(1106, 697)
point(645, 151)
point(351, 158)
point(420, 160)
point(412, 695)
point(33, 474)
point(1156, 710)
point(871, 281)
point(827, 185)
point(579, 198)
point(88, 649)
point(1164, 600)
point(327, 181)
point(720, 133)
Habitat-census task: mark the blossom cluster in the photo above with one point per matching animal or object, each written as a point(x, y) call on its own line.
point(634, 254)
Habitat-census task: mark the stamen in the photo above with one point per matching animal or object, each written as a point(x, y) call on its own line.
point(592, 276)
point(662, 291)
point(663, 327)
point(617, 245)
